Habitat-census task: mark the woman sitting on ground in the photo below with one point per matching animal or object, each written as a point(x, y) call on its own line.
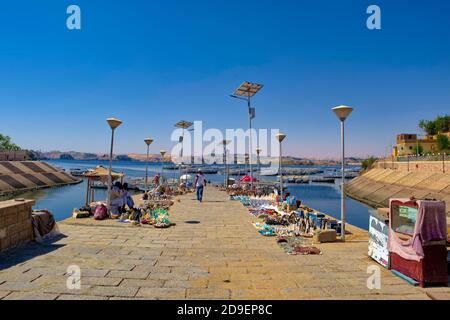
point(127, 199)
point(116, 197)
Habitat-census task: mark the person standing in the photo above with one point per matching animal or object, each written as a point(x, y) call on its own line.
point(200, 184)
point(156, 180)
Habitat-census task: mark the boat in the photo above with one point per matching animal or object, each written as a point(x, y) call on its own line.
point(77, 172)
point(204, 170)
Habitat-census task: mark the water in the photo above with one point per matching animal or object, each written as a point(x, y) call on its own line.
point(61, 201)
point(326, 198)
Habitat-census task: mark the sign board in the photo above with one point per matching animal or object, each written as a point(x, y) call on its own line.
point(252, 112)
point(378, 239)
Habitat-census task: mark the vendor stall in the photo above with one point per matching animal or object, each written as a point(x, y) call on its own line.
point(99, 174)
point(417, 240)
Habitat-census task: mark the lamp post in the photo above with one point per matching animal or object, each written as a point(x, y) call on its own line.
point(114, 124)
point(183, 124)
point(280, 137)
point(163, 153)
point(443, 162)
point(148, 142)
point(245, 92)
point(342, 112)
point(258, 152)
point(224, 143)
point(407, 158)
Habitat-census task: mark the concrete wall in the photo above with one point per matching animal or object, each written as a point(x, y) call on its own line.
point(19, 176)
point(378, 186)
point(15, 223)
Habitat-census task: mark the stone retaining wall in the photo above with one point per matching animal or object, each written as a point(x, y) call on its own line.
point(20, 176)
point(377, 186)
point(15, 223)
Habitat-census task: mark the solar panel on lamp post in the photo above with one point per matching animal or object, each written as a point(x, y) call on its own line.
point(183, 124)
point(342, 112)
point(245, 92)
point(113, 124)
point(148, 142)
point(225, 143)
point(258, 160)
point(280, 137)
point(163, 153)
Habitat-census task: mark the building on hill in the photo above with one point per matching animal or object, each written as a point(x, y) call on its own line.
point(407, 144)
point(20, 155)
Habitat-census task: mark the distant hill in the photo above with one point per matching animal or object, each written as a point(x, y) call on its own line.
point(74, 155)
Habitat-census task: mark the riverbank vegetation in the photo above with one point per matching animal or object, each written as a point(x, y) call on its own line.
point(6, 144)
point(434, 127)
point(368, 163)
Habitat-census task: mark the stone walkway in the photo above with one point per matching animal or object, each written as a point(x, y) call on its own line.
point(212, 253)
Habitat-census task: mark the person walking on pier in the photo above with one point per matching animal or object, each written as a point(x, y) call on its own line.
point(200, 184)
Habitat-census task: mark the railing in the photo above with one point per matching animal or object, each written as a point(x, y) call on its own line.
point(437, 162)
point(425, 157)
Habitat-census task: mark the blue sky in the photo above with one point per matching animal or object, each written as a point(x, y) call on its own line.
point(152, 63)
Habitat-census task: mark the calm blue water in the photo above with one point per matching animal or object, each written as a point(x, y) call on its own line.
point(326, 198)
point(61, 201)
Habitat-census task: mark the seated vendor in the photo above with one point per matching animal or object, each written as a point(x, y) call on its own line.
point(127, 199)
point(117, 201)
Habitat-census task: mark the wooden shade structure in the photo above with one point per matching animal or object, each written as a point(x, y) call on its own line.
point(99, 174)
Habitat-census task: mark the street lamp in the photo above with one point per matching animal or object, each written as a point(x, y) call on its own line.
point(280, 137)
point(245, 92)
point(183, 124)
point(114, 124)
point(258, 152)
point(163, 153)
point(342, 112)
point(148, 142)
point(225, 160)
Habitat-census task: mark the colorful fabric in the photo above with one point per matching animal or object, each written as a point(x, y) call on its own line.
point(431, 225)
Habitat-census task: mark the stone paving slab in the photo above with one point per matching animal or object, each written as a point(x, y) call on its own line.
point(221, 257)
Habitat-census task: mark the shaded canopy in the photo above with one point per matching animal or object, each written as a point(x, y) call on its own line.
point(247, 178)
point(100, 173)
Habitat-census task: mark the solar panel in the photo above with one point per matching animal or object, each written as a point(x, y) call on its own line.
point(183, 124)
point(248, 89)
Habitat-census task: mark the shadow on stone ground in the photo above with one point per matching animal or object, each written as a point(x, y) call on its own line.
point(28, 251)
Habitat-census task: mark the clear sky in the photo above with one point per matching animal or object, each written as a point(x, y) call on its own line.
point(154, 62)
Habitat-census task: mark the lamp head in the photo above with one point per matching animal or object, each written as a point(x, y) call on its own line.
point(163, 152)
point(258, 151)
point(280, 137)
point(148, 141)
point(113, 122)
point(342, 112)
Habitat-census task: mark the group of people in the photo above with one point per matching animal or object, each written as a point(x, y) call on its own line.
point(120, 198)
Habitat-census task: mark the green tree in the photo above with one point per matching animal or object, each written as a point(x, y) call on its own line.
point(7, 145)
point(439, 125)
point(368, 163)
point(443, 143)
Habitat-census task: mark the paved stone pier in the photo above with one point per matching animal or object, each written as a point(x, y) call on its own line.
point(212, 253)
